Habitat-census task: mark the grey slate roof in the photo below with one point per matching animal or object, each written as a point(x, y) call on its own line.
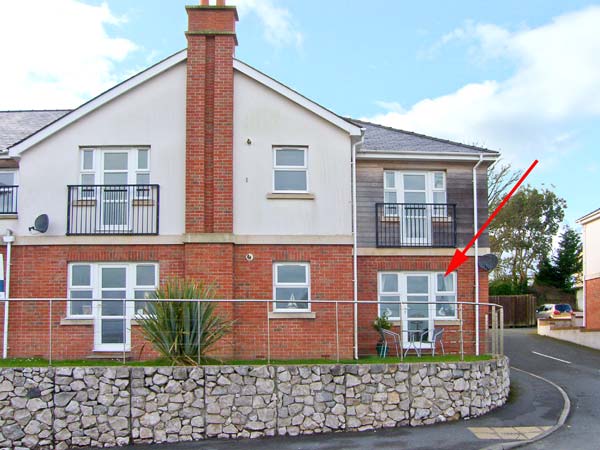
point(17, 125)
point(387, 139)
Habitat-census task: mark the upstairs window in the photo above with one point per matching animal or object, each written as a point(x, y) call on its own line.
point(8, 192)
point(290, 169)
point(115, 166)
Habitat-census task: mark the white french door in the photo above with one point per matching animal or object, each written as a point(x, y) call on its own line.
point(417, 314)
point(112, 319)
point(116, 205)
point(416, 223)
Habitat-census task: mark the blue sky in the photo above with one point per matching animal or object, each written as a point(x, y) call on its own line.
point(519, 76)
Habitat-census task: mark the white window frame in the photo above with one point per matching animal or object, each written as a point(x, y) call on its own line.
point(429, 184)
point(71, 288)
point(277, 284)
point(96, 288)
point(279, 168)
point(432, 293)
point(98, 170)
point(15, 183)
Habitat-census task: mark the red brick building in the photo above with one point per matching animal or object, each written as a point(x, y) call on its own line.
point(591, 270)
point(203, 167)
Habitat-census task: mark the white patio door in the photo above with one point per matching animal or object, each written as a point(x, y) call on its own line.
point(417, 316)
point(112, 322)
point(416, 223)
point(115, 208)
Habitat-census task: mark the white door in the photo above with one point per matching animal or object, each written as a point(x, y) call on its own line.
point(112, 327)
point(417, 315)
point(416, 223)
point(115, 206)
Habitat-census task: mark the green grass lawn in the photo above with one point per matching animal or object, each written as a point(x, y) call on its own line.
point(40, 362)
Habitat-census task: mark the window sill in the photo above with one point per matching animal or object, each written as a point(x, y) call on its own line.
point(66, 321)
point(9, 216)
point(446, 321)
point(290, 196)
point(292, 315)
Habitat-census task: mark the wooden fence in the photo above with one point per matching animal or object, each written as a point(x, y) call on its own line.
point(519, 310)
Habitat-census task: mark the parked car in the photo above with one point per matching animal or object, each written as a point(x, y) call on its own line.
point(554, 311)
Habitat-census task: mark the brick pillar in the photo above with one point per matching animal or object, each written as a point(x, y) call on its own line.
point(209, 149)
point(209, 118)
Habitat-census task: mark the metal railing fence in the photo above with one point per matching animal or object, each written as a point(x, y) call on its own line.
point(261, 325)
point(415, 225)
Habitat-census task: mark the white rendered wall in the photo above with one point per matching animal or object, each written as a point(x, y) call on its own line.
point(591, 251)
point(152, 114)
point(269, 119)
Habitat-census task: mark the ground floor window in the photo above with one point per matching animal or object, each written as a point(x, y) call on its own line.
point(98, 281)
point(291, 283)
point(431, 295)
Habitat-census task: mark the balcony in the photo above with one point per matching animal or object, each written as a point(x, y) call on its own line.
point(415, 225)
point(130, 209)
point(8, 200)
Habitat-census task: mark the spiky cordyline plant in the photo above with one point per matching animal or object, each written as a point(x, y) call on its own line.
point(183, 332)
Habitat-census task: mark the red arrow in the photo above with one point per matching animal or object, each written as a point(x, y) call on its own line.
point(461, 256)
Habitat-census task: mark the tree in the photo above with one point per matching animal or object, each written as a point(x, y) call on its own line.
point(522, 232)
point(568, 261)
point(547, 273)
point(500, 179)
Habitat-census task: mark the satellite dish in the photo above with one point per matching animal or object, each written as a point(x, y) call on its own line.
point(488, 262)
point(41, 223)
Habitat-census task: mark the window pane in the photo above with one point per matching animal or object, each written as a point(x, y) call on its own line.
point(143, 306)
point(88, 160)
point(288, 273)
point(445, 284)
point(115, 161)
point(88, 178)
point(390, 197)
point(113, 277)
point(112, 331)
point(390, 306)
point(439, 197)
point(144, 275)
point(414, 182)
point(142, 178)
point(415, 197)
point(289, 157)
point(417, 284)
point(290, 180)
point(438, 180)
point(142, 159)
point(115, 178)
point(444, 309)
point(417, 311)
point(290, 295)
point(113, 308)
point(390, 180)
point(7, 179)
point(81, 308)
point(389, 283)
point(80, 276)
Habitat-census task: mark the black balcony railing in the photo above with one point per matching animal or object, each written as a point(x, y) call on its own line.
point(415, 225)
point(129, 209)
point(8, 199)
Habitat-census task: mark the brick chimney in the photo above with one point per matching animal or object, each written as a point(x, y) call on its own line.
point(209, 118)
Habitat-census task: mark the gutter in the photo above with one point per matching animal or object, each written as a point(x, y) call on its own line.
point(475, 228)
point(355, 241)
point(8, 239)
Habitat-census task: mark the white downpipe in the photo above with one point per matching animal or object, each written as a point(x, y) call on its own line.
point(355, 243)
point(8, 239)
point(475, 228)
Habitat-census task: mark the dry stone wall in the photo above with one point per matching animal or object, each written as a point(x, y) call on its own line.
point(60, 408)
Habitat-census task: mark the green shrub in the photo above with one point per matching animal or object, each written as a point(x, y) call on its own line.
point(184, 332)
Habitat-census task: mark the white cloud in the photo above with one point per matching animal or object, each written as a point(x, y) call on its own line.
point(532, 112)
point(57, 54)
point(279, 27)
